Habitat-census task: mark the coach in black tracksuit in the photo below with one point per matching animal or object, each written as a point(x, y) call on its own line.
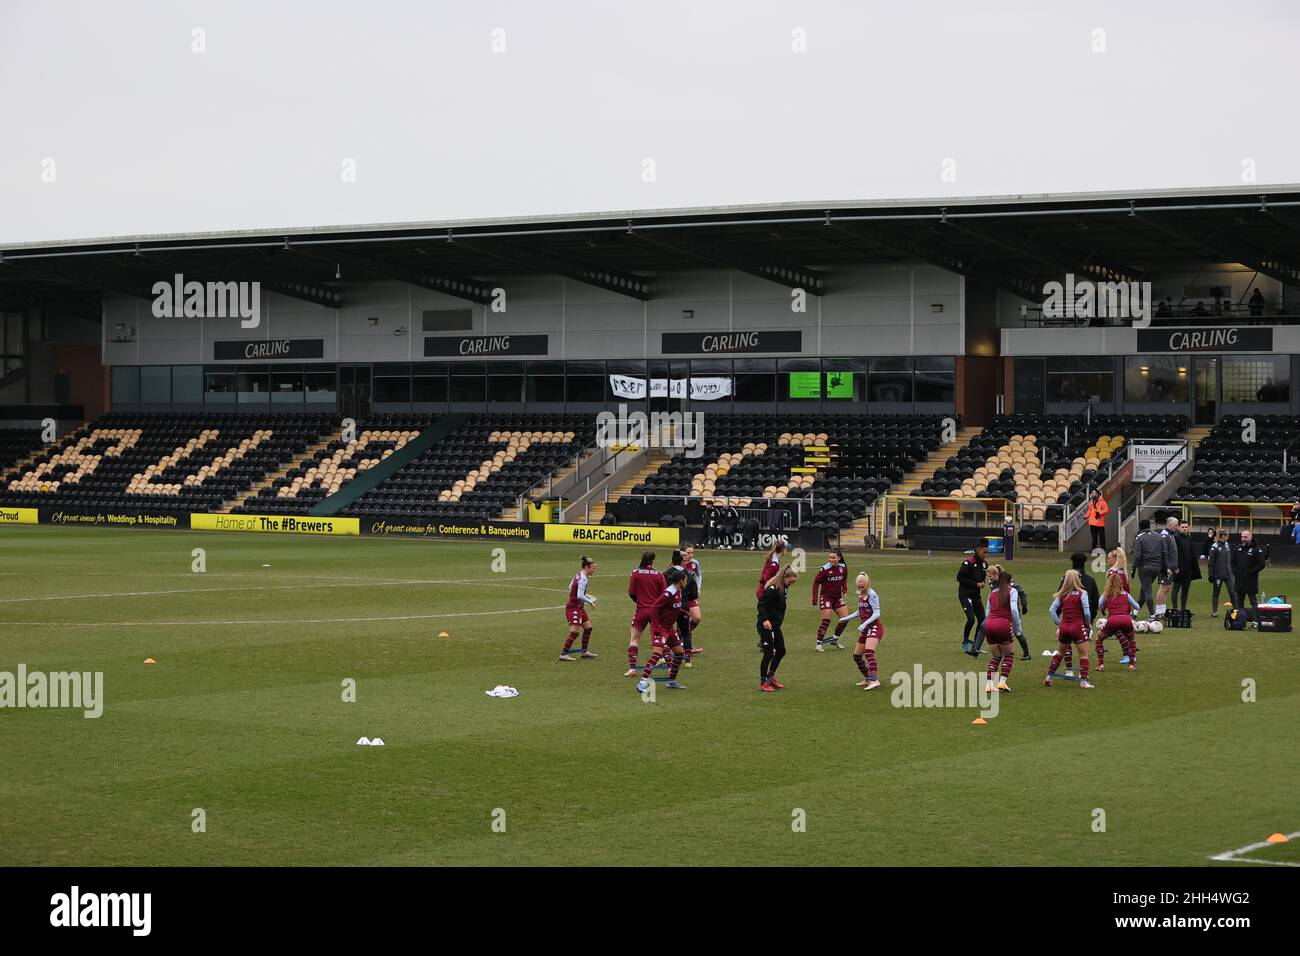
point(1248, 559)
point(970, 586)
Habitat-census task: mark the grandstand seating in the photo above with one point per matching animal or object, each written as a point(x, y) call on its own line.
point(1028, 458)
point(1230, 469)
point(481, 468)
point(333, 466)
point(164, 462)
point(748, 461)
point(17, 444)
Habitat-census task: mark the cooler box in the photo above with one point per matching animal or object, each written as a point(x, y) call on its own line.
point(541, 512)
point(1273, 617)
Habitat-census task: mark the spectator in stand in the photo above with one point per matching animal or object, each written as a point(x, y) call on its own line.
point(1248, 559)
point(1200, 311)
point(1256, 303)
point(1295, 511)
point(1164, 310)
point(1295, 531)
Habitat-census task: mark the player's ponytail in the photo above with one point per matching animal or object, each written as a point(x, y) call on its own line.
point(587, 562)
point(778, 547)
point(647, 558)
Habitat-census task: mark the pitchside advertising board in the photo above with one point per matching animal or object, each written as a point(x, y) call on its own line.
point(1150, 457)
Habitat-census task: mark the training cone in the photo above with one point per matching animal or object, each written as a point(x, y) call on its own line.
point(150, 660)
point(1278, 838)
point(443, 634)
point(979, 720)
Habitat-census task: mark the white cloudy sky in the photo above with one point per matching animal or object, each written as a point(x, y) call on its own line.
point(147, 136)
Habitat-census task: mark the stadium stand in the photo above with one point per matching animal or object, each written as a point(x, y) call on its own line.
point(1230, 469)
point(481, 468)
point(165, 462)
point(1030, 459)
point(751, 461)
point(329, 466)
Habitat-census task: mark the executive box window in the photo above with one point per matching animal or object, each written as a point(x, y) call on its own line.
point(505, 382)
point(756, 380)
point(320, 386)
point(800, 379)
point(392, 383)
point(1157, 378)
point(712, 382)
point(545, 382)
point(187, 384)
point(253, 383)
point(286, 385)
point(890, 380)
point(155, 385)
point(468, 382)
point(1257, 378)
point(1080, 379)
point(632, 371)
point(584, 382)
point(125, 386)
point(219, 386)
point(429, 383)
point(935, 379)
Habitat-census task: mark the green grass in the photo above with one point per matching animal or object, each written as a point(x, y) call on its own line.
point(244, 719)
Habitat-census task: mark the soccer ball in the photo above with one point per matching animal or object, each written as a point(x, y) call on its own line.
point(1100, 624)
point(1141, 627)
point(1155, 627)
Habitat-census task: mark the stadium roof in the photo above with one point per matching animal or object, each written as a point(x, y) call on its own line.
point(1014, 243)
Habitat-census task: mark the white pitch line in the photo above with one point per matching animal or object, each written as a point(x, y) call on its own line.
point(1231, 856)
point(301, 620)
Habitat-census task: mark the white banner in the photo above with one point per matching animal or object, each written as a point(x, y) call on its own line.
point(1150, 456)
point(702, 389)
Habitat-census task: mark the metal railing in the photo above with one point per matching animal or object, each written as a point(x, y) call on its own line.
point(802, 507)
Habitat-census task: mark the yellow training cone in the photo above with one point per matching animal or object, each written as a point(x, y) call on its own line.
point(1278, 838)
point(443, 634)
point(150, 660)
point(979, 720)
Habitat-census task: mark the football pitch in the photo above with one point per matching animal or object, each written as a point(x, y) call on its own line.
point(243, 718)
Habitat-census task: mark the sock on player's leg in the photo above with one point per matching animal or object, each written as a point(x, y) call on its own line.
point(870, 655)
point(568, 642)
point(1083, 667)
point(1056, 662)
point(994, 663)
point(586, 638)
point(631, 657)
point(650, 663)
point(821, 630)
point(1006, 665)
point(861, 661)
point(675, 666)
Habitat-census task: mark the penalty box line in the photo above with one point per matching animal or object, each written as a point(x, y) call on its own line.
point(1234, 856)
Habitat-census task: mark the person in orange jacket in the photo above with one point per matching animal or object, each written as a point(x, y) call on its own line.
point(1097, 511)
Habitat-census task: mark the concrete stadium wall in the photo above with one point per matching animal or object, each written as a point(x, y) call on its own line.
point(904, 309)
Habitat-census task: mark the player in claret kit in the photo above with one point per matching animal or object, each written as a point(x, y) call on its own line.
point(828, 589)
point(1001, 625)
point(664, 638)
point(1119, 606)
point(644, 587)
point(575, 612)
point(771, 565)
point(871, 630)
point(1073, 619)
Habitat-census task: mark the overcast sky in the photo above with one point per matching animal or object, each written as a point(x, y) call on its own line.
point(142, 134)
